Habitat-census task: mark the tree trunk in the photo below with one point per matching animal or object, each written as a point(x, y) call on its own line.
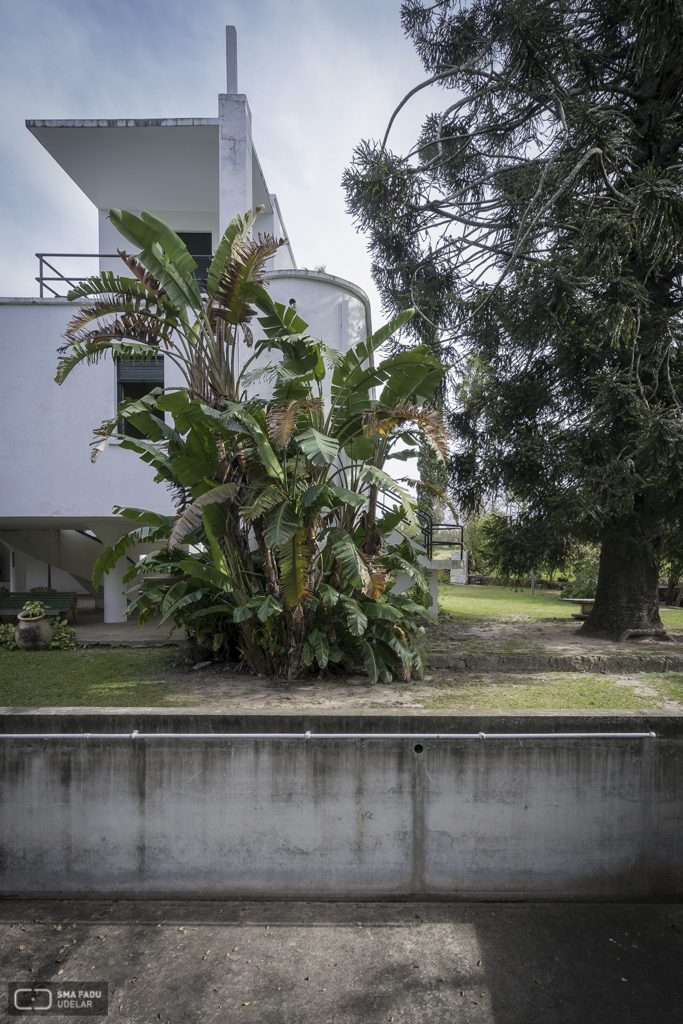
point(296, 644)
point(671, 588)
point(627, 595)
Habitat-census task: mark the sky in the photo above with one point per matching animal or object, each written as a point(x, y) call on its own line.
point(320, 75)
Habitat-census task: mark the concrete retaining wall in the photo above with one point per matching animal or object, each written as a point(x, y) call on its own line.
point(342, 818)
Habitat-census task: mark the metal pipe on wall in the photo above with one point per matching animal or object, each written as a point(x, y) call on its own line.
point(135, 735)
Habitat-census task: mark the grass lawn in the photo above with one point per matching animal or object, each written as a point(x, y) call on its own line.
point(504, 604)
point(153, 677)
point(557, 690)
point(108, 677)
point(125, 677)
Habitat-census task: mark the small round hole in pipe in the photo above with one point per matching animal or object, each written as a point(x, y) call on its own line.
point(418, 748)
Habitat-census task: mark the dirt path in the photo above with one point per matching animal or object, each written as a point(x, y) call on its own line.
point(520, 635)
point(215, 687)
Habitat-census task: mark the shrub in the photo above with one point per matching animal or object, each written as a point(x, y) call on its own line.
point(289, 533)
point(7, 637)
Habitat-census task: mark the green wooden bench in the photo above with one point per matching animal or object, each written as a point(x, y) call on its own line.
point(62, 603)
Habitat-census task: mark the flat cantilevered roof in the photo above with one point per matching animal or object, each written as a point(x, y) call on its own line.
point(138, 164)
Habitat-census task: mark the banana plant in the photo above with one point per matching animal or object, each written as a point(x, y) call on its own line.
point(277, 551)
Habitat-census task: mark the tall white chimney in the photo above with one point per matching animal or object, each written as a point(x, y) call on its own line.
point(231, 58)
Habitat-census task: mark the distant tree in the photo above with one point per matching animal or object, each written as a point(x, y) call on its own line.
point(672, 562)
point(537, 224)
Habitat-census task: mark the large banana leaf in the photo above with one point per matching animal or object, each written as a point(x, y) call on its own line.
point(411, 376)
point(345, 496)
point(143, 515)
point(279, 319)
point(163, 253)
point(366, 349)
point(262, 442)
point(281, 523)
point(371, 660)
point(206, 573)
point(112, 554)
point(345, 551)
point(260, 499)
point(319, 448)
point(320, 647)
point(386, 483)
point(236, 231)
point(356, 358)
point(92, 351)
point(219, 559)
point(378, 610)
point(245, 265)
point(266, 607)
point(193, 515)
point(355, 616)
point(293, 562)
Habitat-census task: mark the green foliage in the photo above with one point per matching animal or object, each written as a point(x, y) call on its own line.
point(513, 547)
point(582, 567)
point(63, 637)
point(537, 226)
point(7, 636)
point(34, 608)
point(276, 556)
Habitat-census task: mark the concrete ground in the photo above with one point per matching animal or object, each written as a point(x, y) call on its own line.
point(326, 963)
point(92, 629)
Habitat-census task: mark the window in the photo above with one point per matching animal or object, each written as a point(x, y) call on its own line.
point(135, 380)
point(199, 246)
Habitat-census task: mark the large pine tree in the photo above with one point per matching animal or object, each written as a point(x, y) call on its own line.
point(538, 226)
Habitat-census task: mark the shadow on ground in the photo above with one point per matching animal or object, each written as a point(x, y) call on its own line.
point(312, 963)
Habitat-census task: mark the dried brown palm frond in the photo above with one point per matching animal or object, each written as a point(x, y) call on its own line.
point(244, 265)
point(148, 330)
point(388, 420)
point(149, 280)
point(374, 588)
point(281, 420)
point(181, 496)
point(119, 305)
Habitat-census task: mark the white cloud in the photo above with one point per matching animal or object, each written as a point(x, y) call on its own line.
point(320, 76)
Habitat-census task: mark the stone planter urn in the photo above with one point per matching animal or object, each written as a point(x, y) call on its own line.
point(33, 633)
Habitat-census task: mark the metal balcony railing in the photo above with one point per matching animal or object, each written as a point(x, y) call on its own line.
point(51, 282)
point(433, 534)
point(60, 280)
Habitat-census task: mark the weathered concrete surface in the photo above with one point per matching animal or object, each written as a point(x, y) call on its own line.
point(308, 963)
point(341, 818)
point(620, 662)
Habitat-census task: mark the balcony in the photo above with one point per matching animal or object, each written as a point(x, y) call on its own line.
point(56, 283)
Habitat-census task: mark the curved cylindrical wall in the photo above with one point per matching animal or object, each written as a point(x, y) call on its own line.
point(336, 310)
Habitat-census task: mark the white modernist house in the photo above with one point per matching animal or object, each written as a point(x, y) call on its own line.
point(196, 174)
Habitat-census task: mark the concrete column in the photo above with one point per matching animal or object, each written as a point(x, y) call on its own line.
point(231, 58)
point(112, 584)
point(235, 158)
point(17, 576)
point(115, 602)
point(433, 577)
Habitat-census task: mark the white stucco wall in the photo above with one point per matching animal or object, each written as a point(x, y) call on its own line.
point(45, 429)
point(337, 311)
